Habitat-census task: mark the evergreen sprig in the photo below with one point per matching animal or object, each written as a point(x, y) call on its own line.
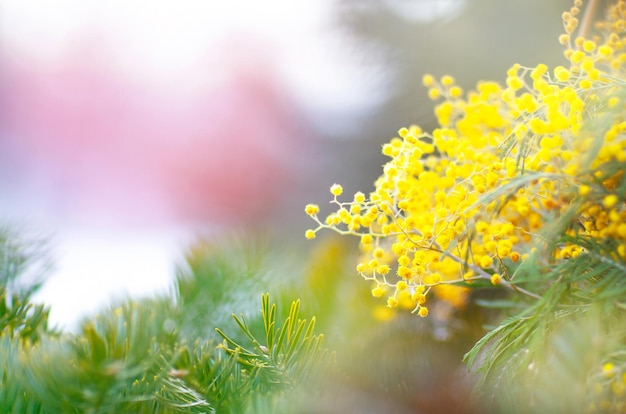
point(291, 353)
point(139, 357)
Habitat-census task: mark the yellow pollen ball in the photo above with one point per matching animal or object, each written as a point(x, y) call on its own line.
point(585, 84)
point(587, 64)
point(359, 197)
point(589, 46)
point(561, 74)
point(577, 56)
point(568, 53)
point(309, 234)
point(456, 92)
point(539, 71)
point(404, 260)
point(514, 82)
point(418, 297)
point(433, 278)
point(378, 291)
point(428, 80)
point(336, 189)
point(584, 189)
point(486, 261)
point(388, 150)
point(423, 312)
point(404, 272)
point(490, 246)
point(311, 209)
point(496, 279)
point(571, 25)
point(610, 200)
point(392, 302)
point(605, 50)
point(433, 93)
point(482, 227)
point(447, 80)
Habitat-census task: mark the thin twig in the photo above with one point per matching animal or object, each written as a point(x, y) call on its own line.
point(587, 18)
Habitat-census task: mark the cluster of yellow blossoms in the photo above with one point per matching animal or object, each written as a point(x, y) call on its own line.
point(609, 390)
point(467, 201)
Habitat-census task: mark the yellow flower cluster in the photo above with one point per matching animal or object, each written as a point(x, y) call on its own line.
point(468, 200)
point(609, 390)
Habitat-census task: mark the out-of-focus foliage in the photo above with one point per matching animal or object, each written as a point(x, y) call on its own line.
point(386, 360)
point(24, 261)
point(23, 264)
point(151, 355)
point(221, 277)
point(141, 356)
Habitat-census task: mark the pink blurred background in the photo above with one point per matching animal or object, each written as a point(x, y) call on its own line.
point(108, 123)
point(128, 128)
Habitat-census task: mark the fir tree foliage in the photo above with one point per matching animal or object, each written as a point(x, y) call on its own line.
point(139, 356)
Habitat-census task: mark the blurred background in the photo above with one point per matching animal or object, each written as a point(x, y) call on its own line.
point(128, 129)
